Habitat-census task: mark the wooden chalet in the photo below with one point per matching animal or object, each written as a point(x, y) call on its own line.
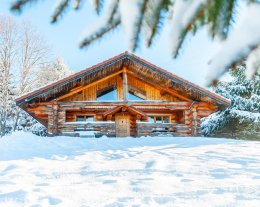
point(122, 96)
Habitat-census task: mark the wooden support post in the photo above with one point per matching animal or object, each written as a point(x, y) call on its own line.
point(109, 117)
point(120, 95)
point(55, 108)
point(125, 85)
point(188, 120)
point(50, 121)
point(138, 117)
point(194, 121)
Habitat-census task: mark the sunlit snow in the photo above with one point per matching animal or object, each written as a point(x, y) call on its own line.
point(158, 171)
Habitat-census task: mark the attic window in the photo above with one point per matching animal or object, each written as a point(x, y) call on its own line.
point(106, 94)
point(135, 94)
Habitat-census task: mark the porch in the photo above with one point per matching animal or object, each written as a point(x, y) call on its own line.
point(120, 119)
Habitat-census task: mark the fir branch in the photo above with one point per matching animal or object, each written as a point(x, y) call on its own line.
point(187, 25)
point(100, 33)
point(113, 11)
point(78, 4)
point(98, 5)
point(153, 18)
point(18, 5)
point(59, 10)
point(230, 16)
point(136, 33)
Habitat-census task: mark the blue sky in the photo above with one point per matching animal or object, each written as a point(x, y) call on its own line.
point(64, 38)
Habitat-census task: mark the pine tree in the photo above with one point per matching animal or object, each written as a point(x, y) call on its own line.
point(242, 118)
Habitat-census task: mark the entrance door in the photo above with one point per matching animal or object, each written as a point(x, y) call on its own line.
point(122, 125)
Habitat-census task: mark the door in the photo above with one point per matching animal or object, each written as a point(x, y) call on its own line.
point(122, 125)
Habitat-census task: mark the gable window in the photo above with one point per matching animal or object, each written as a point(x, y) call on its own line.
point(159, 119)
point(133, 97)
point(107, 94)
point(136, 94)
point(85, 118)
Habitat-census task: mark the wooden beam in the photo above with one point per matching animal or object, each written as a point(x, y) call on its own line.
point(112, 111)
point(125, 84)
point(170, 91)
point(132, 103)
point(136, 111)
point(87, 86)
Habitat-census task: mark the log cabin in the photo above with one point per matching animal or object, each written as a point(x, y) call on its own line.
point(122, 96)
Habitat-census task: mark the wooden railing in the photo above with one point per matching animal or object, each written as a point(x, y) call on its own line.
point(146, 128)
point(99, 128)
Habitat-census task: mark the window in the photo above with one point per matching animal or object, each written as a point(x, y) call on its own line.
point(80, 118)
point(159, 119)
point(166, 119)
point(89, 118)
point(133, 97)
point(151, 119)
point(136, 94)
point(85, 118)
point(107, 94)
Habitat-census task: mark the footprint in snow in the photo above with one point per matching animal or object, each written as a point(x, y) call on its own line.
point(186, 180)
point(7, 169)
point(52, 200)
point(149, 164)
point(42, 184)
point(109, 181)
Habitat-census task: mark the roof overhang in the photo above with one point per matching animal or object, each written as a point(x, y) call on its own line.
point(136, 65)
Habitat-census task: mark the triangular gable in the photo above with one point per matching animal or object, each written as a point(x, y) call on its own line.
point(113, 65)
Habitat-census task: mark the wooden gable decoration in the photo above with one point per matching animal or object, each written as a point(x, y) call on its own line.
point(124, 94)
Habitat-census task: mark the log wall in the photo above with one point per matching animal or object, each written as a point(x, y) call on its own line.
point(185, 117)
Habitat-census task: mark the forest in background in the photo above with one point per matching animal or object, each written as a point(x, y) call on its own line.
point(26, 63)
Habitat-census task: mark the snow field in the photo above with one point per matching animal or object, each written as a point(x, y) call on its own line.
point(159, 171)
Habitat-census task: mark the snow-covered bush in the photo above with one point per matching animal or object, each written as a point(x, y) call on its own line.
point(38, 129)
point(242, 118)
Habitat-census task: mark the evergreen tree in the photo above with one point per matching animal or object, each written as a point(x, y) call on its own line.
point(242, 118)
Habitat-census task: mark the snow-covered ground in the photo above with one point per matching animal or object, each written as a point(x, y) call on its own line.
point(159, 171)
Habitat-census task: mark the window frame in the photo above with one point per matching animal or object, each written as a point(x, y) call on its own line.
point(106, 90)
point(162, 118)
point(85, 117)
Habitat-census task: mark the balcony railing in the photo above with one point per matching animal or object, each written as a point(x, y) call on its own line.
point(98, 128)
point(146, 128)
